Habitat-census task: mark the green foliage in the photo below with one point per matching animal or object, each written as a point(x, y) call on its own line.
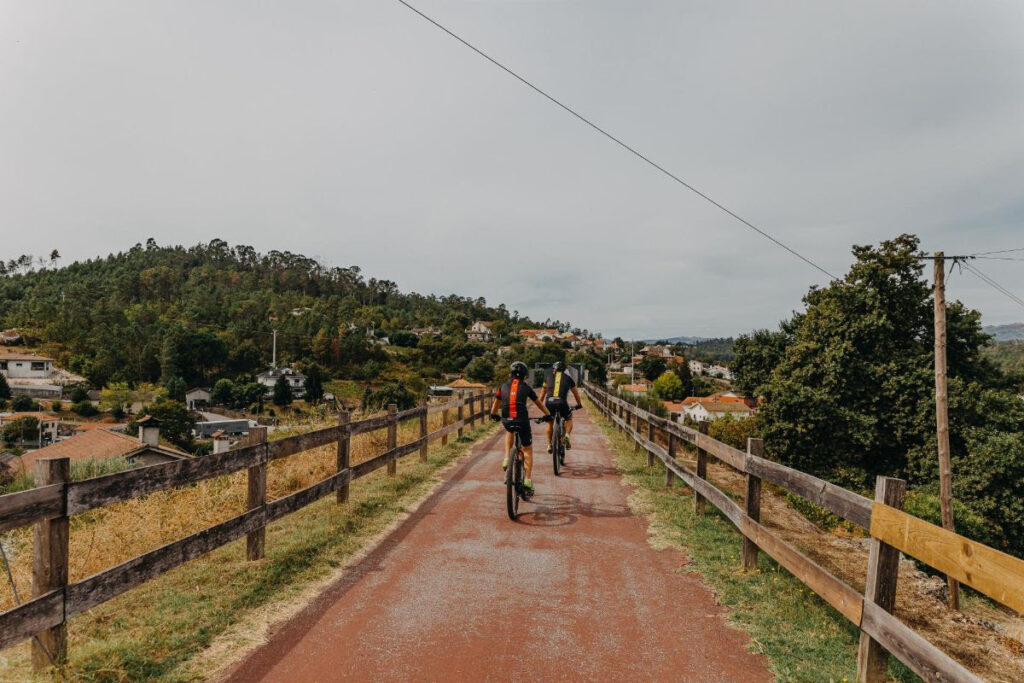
point(594, 364)
point(851, 397)
point(734, 431)
point(315, 377)
point(22, 430)
point(5, 388)
point(405, 339)
point(223, 392)
point(79, 394)
point(57, 406)
point(389, 393)
point(176, 421)
point(282, 392)
point(23, 404)
point(652, 367)
point(85, 409)
point(176, 388)
point(669, 387)
point(481, 369)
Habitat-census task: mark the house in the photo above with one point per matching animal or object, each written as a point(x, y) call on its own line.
point(197, 396)
point(35, 376)
point(657, 350)
point(296, 380)
point(727, 397)
point(238, 427)
point(720, 371)
point(462, 386)
point(48, 425)
point(539, 335)
point(101, 444)
point(675, 409)
point(421, 331)
point(696, 367)
point(480, 331)
point(701, 412)
point(639, 389)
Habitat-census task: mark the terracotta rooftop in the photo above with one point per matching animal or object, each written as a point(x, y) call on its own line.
point(95, 444)
point(464, 384)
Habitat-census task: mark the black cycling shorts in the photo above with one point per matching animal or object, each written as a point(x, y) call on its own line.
point(557, 405)
point(523, 423)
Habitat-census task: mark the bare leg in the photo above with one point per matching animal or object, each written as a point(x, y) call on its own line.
point(568, 426)
point(549, 429)
point(509, 438)
point(527, 460)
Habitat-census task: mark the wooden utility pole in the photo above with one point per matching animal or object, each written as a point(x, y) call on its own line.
point(942, 413)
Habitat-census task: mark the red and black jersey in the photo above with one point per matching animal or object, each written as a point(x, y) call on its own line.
point(515, 395)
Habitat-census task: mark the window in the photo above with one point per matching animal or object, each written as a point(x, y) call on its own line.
point(3, 365)
point(38, 366)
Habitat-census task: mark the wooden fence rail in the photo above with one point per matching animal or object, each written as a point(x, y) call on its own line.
point(989, 571)
point(44, 617)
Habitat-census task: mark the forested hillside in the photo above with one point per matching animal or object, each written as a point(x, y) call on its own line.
point(192, 315)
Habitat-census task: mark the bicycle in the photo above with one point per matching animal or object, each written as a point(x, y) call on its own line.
point(558, 441)
point(514, 475)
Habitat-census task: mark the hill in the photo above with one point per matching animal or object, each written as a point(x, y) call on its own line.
point(1001, 333)
point(685, 341)
point(176, 315)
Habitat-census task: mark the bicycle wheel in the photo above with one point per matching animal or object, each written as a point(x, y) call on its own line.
point(511, 484)
point(556, 442)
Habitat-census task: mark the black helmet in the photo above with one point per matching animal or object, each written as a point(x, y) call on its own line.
point(518, 369)
point(559, 366)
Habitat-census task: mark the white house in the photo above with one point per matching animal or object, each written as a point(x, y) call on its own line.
point(296, 380)
point(25, 366)
point(720, 371)
point(702, 412)
point(36, 376)
point(696, 367)
point(480, 331)
point(197, 395)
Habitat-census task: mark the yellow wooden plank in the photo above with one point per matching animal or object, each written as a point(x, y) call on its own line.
point(996, 574)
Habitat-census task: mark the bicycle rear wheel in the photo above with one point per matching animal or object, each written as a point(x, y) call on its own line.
point(556, 443)
point(511, 484)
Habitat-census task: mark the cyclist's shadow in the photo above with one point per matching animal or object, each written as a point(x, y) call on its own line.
point(561, 510)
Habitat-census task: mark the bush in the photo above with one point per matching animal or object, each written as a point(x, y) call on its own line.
point(387, 394)
point(85, 409)
point(24, 404)
point(734, 431)
point(56, 406)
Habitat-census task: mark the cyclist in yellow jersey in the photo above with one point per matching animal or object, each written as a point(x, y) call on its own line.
point(555, 396)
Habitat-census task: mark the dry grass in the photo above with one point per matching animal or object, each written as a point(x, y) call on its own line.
point(103, 538)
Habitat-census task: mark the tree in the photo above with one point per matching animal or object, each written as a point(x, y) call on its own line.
point(406, 339)
point(23, 403)
point(682, 371)
point(248, 394)
point(5, 388)
point(282, 392)
point(22, 430)
point(390, 393)
point(480, 369)
point(315, 376)
point(757, 354)
point(669, 387)
point(116, 397)
point(176, 422)
point(176, 388)
point(652, 367)
point(223, 392)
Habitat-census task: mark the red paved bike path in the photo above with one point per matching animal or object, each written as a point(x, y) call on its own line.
point(572, 591)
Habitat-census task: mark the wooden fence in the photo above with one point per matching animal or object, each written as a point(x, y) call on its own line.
point(989, 571)
point(56, 498)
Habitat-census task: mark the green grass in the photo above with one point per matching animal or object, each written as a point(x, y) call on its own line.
point(804, 638)
point(154, 631)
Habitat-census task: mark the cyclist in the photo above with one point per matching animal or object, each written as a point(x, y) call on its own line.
point(512, 400)
point(555, 396)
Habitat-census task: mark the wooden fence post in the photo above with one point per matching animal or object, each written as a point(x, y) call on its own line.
point(650, 437)
point(880, 588)
point(344, 451)
point(702, 470)
point(423, 432)
point(669, 474)
point(460, 413)
point(50, 565)
point(444, 423)
point(392, 437)
point(753, 504)
point(256, 540)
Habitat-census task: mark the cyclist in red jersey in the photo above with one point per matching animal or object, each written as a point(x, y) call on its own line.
point(511, 407)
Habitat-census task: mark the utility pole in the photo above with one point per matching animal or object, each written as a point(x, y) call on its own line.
point(273, 361)
point(942, 413)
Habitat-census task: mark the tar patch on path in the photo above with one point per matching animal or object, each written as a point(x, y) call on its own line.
point(572, 591)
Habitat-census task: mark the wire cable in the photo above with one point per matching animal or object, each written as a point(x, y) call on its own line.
point(617, 140)
point(1001, 251)
point(995, 285)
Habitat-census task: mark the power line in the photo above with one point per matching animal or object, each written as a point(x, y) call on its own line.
point(1001, 251)
point(617, 140)
point(999, 258)
point(995, 285)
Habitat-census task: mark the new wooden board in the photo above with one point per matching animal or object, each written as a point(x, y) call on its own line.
point(846, 504)
point(923, 658)
point(31, 617)
point(997, 575)
point(25, 507)
point(836, 593)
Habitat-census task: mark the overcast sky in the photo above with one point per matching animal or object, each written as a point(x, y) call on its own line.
point(353, 131)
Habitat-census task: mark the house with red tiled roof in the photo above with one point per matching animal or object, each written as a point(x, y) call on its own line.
point(101, 444)
point(712, 410)
point(465, 386)
point(48, 424)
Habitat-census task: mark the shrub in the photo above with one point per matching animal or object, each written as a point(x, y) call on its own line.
point(24, 404)
point(85, 409)
point(56, 406)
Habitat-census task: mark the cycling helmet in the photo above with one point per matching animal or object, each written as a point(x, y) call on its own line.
point(559, 366)
point(518, 370)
